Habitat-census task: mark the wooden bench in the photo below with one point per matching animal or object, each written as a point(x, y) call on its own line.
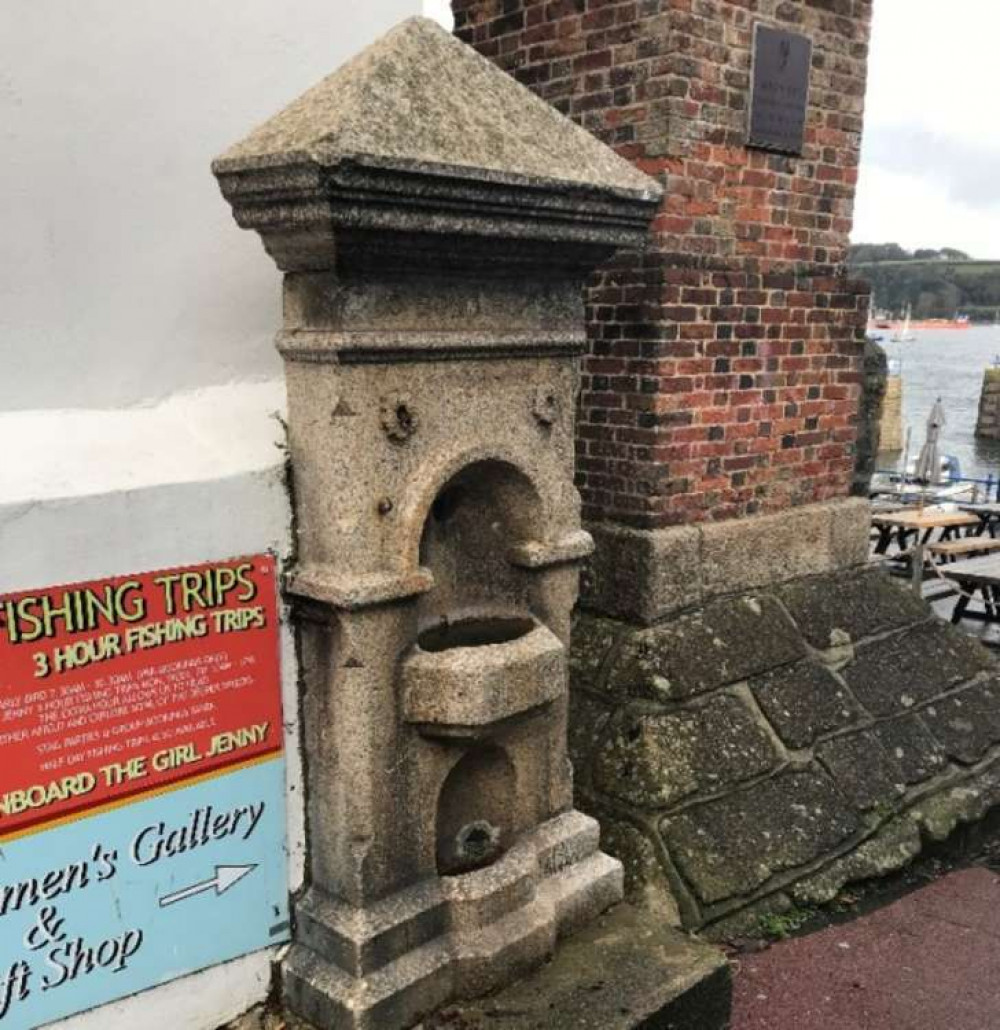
point(964, 547)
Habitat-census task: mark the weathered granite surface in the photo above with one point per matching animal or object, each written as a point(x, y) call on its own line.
point(419, 138)
point(419, 98)
point(721, 643)
point(803, 701)
point(259, 1018)
point(436, 223)
point(654, 759)
point(766, 748)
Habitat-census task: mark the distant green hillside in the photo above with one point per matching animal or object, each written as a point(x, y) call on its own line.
point(938, 284)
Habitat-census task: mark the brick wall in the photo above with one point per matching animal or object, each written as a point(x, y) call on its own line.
point(723, 377)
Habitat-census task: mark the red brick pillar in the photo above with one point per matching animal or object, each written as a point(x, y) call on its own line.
point(747, 706)
point(724, 372)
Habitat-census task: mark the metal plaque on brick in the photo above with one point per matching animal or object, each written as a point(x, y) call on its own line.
point(142, 811)
point(780, 90)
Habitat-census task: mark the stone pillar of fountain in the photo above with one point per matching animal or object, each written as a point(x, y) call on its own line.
point(435, 223)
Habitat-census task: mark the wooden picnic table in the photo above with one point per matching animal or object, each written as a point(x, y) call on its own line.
point(909, 521)
point(976, 575)
point(921, 523)
point(988, 514)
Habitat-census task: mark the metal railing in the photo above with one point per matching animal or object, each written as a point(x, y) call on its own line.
point(991, 484)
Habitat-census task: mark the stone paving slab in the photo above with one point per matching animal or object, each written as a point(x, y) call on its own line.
point(929, 961)
point(625, 971)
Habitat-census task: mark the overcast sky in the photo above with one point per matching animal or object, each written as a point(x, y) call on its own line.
point(440, 9)
point(930, 165)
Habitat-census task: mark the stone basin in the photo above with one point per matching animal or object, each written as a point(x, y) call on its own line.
point(464, 677)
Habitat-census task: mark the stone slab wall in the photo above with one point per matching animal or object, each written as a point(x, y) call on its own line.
point(725, 362)
point(767, 748)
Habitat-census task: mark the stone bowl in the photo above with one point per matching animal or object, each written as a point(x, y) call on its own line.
point(463, 678)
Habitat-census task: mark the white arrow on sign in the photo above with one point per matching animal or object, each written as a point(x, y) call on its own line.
point(226, 876)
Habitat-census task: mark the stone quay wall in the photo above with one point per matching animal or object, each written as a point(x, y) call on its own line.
point(891, 423)
point(988, 419)
point(872, 413)
point(724, 371)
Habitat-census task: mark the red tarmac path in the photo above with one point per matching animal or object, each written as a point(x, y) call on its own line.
point(929, 961)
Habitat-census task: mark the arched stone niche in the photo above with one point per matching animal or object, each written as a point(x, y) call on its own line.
point(475, 524)
point(475, 822)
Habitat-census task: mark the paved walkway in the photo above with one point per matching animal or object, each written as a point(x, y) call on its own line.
point(929, 961)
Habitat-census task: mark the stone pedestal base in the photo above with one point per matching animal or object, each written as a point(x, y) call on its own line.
point(386, 966)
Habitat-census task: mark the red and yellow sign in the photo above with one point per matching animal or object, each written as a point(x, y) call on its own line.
point(122, 687)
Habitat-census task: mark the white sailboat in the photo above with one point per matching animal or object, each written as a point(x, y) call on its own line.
point(873, 336)
point(903, 333)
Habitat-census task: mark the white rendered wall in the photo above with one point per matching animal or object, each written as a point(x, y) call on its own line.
point(197, 477)
point(122, 275)
point(138, 381)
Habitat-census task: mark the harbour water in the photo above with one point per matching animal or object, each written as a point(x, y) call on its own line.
point(947, 364)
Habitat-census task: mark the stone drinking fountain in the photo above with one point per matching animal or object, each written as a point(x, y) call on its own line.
point(435, 223)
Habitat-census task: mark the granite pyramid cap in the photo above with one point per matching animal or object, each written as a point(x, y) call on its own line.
point(419, 99)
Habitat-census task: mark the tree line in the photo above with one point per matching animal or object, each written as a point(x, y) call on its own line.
point(934, 283)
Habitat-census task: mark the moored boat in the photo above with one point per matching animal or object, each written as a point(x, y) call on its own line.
point(958, 322)
point(903, 332)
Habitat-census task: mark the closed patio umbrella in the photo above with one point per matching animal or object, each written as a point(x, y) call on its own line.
point(928, 467)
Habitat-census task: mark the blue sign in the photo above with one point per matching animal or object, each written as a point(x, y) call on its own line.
point(122, 900)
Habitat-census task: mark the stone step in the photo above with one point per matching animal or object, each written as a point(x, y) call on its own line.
point(565, 840)
point(562, 850)
point(625, 971)
point(582, 891)
point(326, 998)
